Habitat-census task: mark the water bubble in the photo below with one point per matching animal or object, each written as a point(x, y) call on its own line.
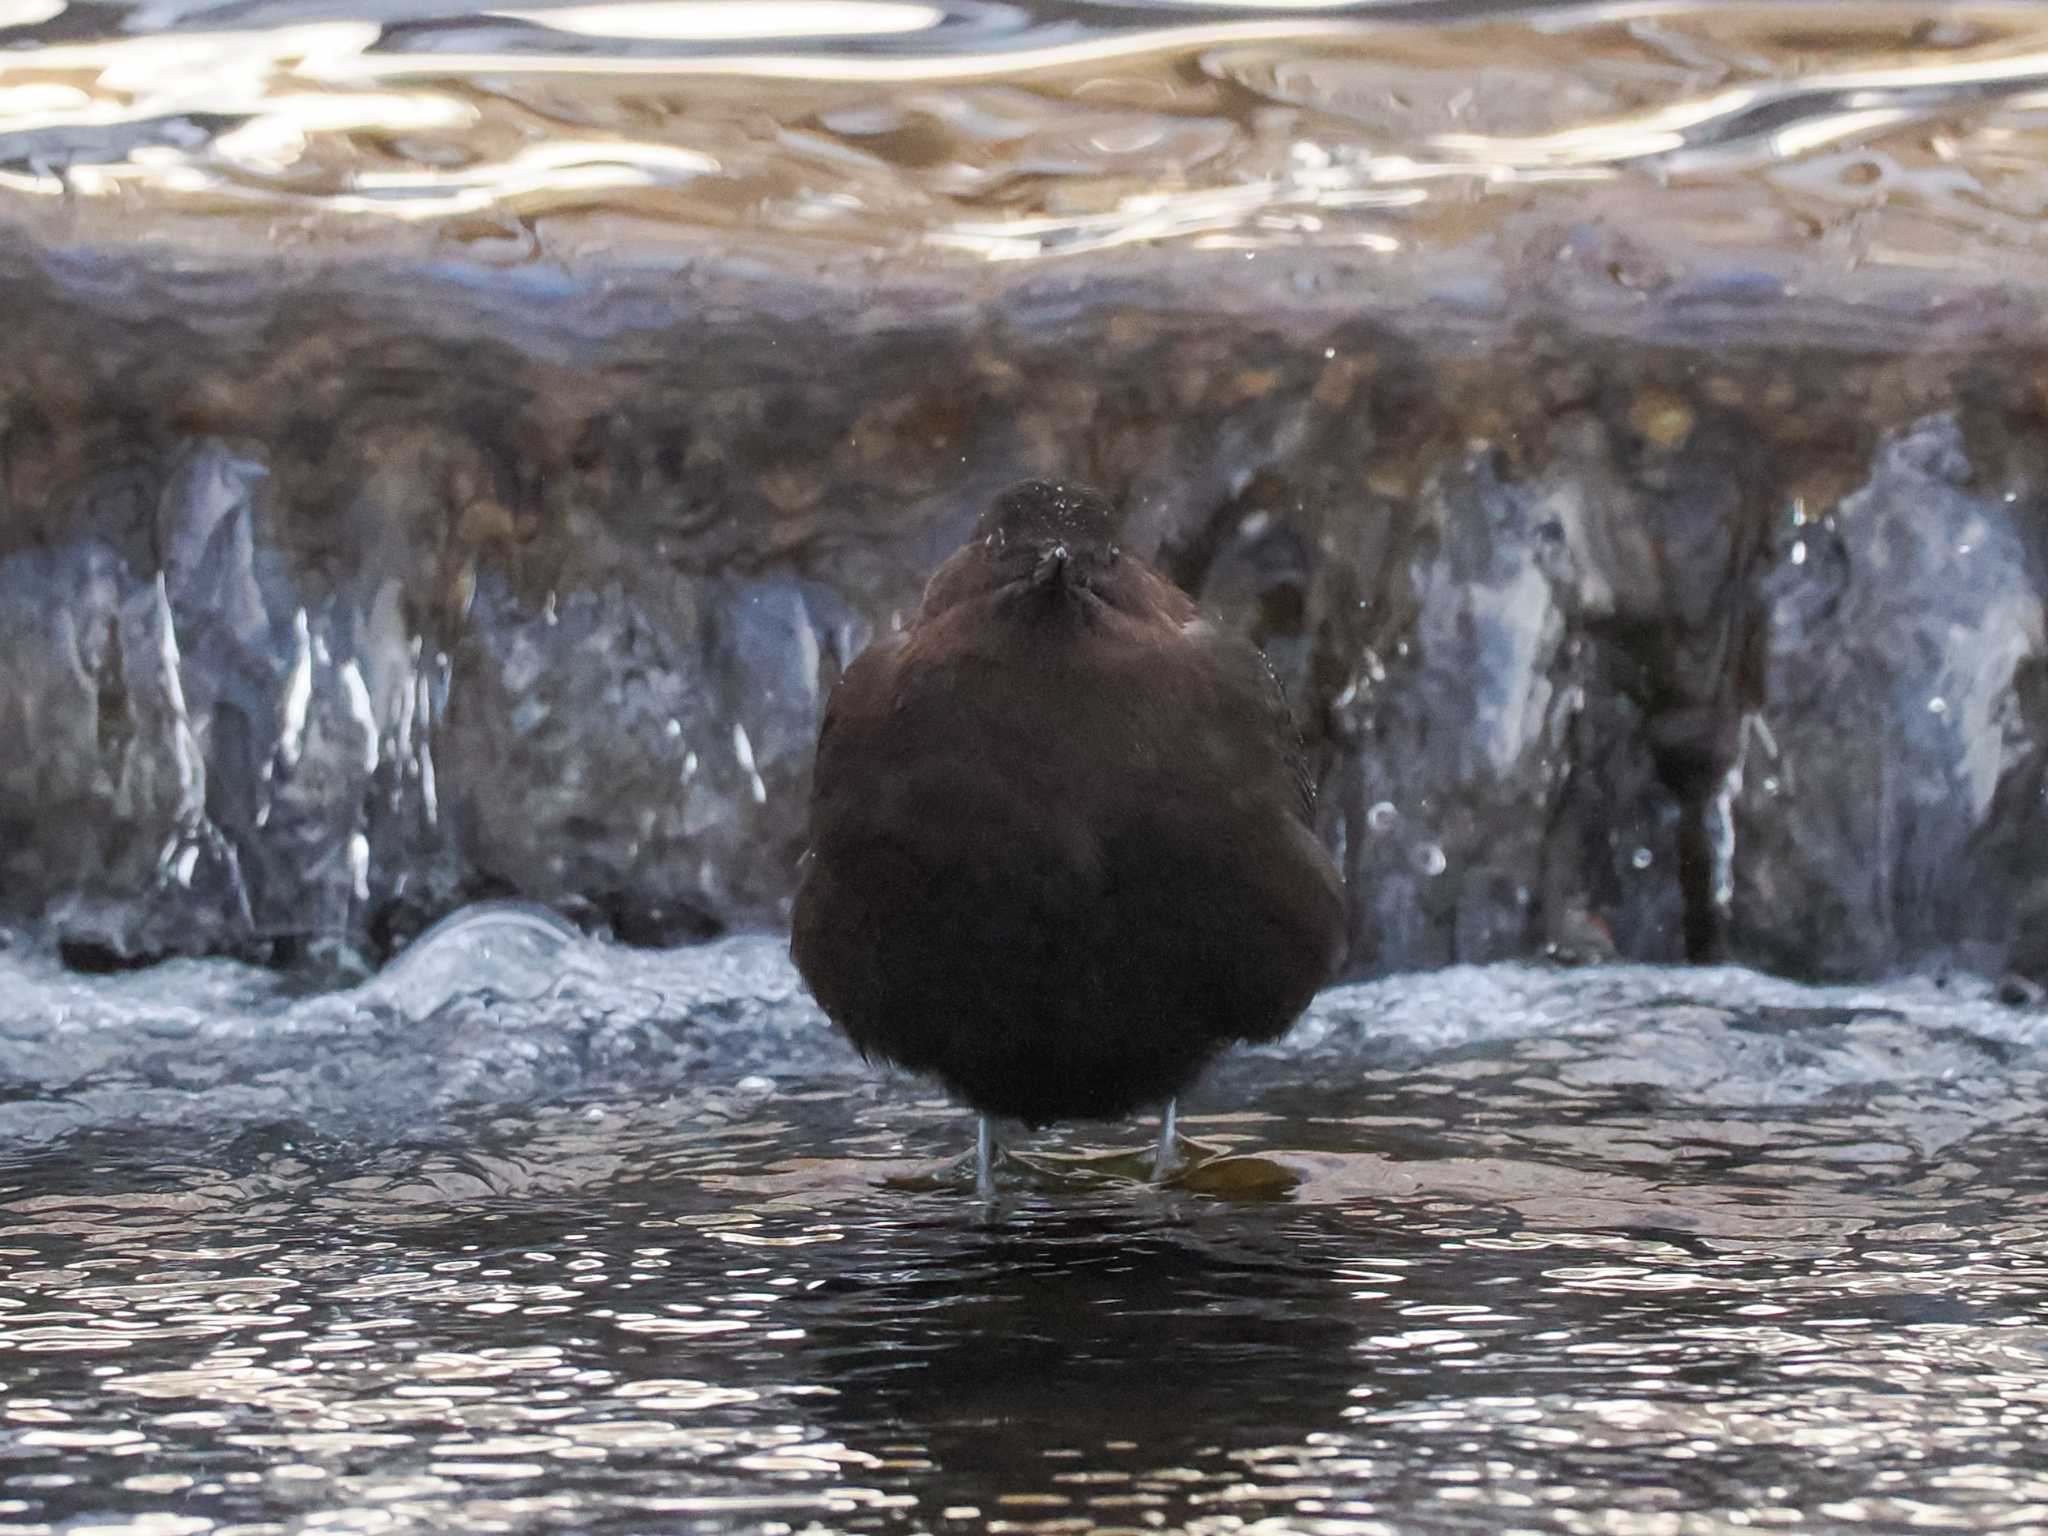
point(1430, 860)
point(1381, 817)
point(1642, 858)
point(1937, 705)
point(519, 950)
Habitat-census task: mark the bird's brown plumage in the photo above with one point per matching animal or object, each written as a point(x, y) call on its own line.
point(1061, 839)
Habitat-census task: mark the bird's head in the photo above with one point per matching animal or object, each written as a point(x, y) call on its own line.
point(1038, 538)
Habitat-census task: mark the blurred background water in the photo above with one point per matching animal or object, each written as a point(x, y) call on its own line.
point(447, 454)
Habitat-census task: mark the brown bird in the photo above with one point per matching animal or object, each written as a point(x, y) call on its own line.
point(1061, 844)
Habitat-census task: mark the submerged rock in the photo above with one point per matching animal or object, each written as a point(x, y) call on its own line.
point(1889, 794)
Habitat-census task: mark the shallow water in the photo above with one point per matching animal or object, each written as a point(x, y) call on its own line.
point(1492, 1250)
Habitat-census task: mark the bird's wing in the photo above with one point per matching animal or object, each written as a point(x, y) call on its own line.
point(865, 678)
point(1244, 666)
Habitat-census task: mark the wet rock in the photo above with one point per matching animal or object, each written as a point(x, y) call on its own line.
point(1886, 788)
point(341, 601)
point(1458, 719)
point(651, 746)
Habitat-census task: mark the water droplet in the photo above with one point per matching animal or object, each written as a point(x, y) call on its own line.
point(1381, 817)
point(1799, 553)
point(1937, 705)
point(1430, 860)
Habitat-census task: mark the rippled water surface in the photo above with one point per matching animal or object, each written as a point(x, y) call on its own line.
point(1900, 136)
point(529, 1234)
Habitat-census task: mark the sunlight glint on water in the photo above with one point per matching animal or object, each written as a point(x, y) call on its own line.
point(979, 130)
point(1600, 1250)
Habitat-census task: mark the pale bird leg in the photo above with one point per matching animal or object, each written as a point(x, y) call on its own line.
point(1168, 1152)
point(984, 1159)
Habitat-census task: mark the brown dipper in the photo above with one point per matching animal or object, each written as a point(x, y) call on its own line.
point(1062, 848)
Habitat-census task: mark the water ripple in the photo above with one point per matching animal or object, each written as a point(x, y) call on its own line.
point(1627, 1249)
point(1589, 1312)
point(1865, 135)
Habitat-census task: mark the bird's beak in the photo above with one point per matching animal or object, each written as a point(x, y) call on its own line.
point(1051, 567)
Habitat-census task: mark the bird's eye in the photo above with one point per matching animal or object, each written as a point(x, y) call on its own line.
point(1115, 554)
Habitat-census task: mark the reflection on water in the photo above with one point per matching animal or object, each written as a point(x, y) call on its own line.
point(1505, 1249)
point(1877, 134)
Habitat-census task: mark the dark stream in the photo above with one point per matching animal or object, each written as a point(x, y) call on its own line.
point(538, 1235)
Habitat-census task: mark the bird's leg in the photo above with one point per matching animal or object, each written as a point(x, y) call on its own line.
point(984, 1159)
point(1169, 1141)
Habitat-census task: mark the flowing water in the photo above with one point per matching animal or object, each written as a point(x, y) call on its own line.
point(533, 1234)
point(1900, 137)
